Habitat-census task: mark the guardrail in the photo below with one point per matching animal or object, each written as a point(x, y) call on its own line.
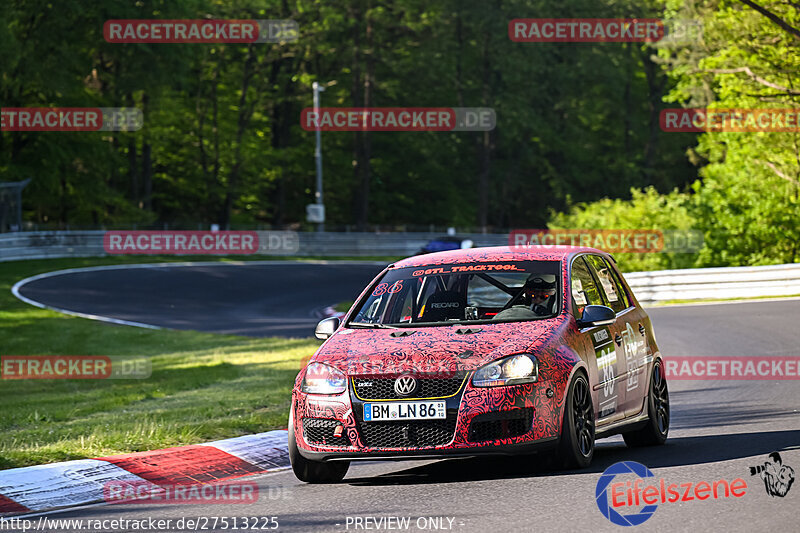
point(727, 282)
point(52, 244)
point(649, 287)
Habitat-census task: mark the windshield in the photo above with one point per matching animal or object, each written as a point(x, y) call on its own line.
point(464, 293)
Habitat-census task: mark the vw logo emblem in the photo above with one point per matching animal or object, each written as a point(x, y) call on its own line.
point(405, 385)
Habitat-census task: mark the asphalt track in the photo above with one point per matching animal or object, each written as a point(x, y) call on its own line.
point(719, 429)
point(260, 299)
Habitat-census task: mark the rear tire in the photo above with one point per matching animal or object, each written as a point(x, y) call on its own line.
point(654, 433)
point(576, 447)
point(313, 471)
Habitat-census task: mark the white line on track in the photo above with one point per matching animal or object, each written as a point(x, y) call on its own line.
point(17, 286)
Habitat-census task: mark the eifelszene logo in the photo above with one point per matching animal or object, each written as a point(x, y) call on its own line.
point(632, 491)
point(778, 477)
point(601, 494)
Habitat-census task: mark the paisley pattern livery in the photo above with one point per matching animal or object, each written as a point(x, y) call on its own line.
point(442, 352)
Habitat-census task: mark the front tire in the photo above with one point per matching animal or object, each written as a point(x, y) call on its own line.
point(576, 448)
point(313, 471)
point(654, 433)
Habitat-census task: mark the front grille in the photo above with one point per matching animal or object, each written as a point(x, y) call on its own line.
point(408, 434)
point(500, 425)
point(320, 431)
point(427, 387)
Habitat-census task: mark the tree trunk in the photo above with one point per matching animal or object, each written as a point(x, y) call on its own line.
point(281, 124)
point(215, 135)
point(484, 143)
point(366, 152)
point(356, 97)
point(133, 174)
point(245, 111)
point(655, 84)
point(147, 163)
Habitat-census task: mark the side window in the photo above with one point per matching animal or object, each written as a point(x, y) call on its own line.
point(584, 289)
point(620, 286)
point(614, 296)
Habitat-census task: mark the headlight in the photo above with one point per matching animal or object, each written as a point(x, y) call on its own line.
point(323, 379)
point(522, 368)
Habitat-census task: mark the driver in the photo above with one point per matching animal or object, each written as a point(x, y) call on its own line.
point(537, 293)
point(534, 301)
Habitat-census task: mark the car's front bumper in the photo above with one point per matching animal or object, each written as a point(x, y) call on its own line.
point(499, 409)
point(519, 448)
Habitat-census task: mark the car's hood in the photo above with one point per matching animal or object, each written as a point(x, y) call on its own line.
point(429, 349)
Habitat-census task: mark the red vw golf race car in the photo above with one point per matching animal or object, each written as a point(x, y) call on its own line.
point(490, 350)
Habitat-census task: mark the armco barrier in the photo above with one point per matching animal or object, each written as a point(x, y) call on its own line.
point(728, 282)
point(650, 287)
point(41, 245)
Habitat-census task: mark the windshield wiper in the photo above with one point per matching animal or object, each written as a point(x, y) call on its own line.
point(371, 325)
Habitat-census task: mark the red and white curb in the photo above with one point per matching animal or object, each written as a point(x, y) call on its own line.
point(75, 483)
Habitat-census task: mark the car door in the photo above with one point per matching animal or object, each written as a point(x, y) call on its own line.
point(640, 349)
point(628, 339)
point(605, 363)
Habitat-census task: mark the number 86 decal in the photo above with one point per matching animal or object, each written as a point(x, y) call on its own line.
point(382, 288)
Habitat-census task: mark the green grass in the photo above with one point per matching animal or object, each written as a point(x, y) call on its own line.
point(343, 307)
point(203, 386)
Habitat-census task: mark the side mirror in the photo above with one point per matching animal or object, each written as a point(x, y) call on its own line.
point(597, 315)
point(327, 327)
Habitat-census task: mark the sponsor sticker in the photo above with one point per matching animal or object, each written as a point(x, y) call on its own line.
point(456, 269)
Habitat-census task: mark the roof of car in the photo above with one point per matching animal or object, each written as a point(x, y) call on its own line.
point(496, 253)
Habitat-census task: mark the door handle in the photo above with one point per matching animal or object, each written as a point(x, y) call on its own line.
point(618, 340)
point(641, 329)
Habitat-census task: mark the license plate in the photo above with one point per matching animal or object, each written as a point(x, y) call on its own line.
point(382, 411)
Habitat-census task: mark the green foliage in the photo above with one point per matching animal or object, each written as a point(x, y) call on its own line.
point(203, 387)
point(647, 209)
point(746, 200)
point(222, 121)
